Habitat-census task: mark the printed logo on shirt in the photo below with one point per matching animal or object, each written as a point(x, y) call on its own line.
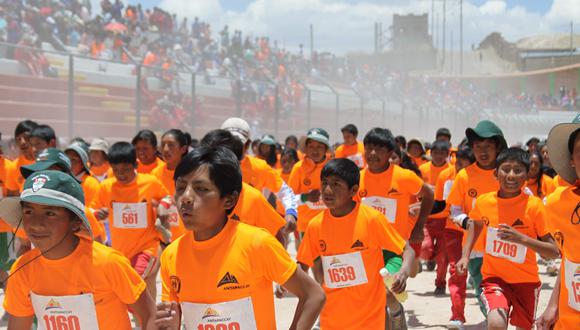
point(393, 191)
point(52, 304)
point(518, 223)
point(235, 217)
point(357, 244)
point(307, 182)
point(322, 245)
point(485, 220)
point(231, 279)
point(210, 312)
point(472, 193)
point(362, 193)
point(335, 261)
point(175, 283)
point(559, 238)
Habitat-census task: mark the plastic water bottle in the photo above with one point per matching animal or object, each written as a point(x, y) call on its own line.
point(388, 279)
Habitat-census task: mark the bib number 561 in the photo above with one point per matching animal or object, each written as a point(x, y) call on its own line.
point(61, 322)
point(219, 326)
point(129, 218)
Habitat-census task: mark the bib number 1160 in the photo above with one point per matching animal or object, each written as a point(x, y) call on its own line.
point(61, 322)
point(219, 326)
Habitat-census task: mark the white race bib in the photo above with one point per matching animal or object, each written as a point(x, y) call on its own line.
point(387, 206)
point(497, 247)
point(447, 188)
point(344, 270)
point(572, 280)
point(65, 312)
point(357, 159)
point(231, 315)
point(130, 215)
point(316, 206)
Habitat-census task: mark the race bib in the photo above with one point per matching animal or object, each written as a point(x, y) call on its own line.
point(316, 206)
point(447, 188)
point(173, 218)
point(572, 279)
point(231, 315)
point(357, 159)
point(130, 215)
point(497, 247)
point(387, 206)
point(344, 270)
point(65, 312)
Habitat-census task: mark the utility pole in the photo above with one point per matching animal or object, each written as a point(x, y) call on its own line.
point(311, 42)
point(460, 37)
point(432, 20)
point(443, 39)
point(451, 54)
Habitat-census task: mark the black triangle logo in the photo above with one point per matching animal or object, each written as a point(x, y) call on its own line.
point(518, 222)
point(357, 244)
point(228, 279)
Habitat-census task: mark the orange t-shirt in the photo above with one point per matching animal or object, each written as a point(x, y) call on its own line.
point(546, 189)
point(144, 189)
point(418, 160)
point(364, 231)
point(148, 169)
point(286, 178)
point(558, 181)
point(442, 189)
point(470, 183)
point(14, 180)
point(305, 177)
point(258, 174)
point(253, 209)
point(397, 185)
point(95, 269)
point(90, 187)
point(524, 213)
point(240, 261)
point(166, 177)
point(354, 152)
point(5, 168)
point(430, 175)
point(102, 172)
point(564, 223)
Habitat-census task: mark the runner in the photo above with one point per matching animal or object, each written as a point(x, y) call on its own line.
point(145, 142)
point(538, 183)
point(514, 230)
point(343, 246)
point(98, 159)
point(15, 181)
point(416, 150)
point(267, 151)
point(234, 264)
point(42, 137)
point(51, 211)
point(351, 148)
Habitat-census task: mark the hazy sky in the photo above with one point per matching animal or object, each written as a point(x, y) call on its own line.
point(347, 25)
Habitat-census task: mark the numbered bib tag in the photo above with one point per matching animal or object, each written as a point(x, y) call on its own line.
point(231, 315)
point(65, 312)
point(344, 270)
point(316, 206)
point(497, 247)
point(173, 216)
point(357, 159)
point(572, 279)
point(447, 188)
point(130, 215)
point(387, 206)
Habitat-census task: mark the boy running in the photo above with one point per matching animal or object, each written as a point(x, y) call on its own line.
point(351, 148)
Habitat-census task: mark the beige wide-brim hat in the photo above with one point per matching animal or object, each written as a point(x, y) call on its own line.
point(558, 150)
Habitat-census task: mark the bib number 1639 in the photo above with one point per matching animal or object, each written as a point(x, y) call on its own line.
point(61, 322)
point(219, 326)
point(342, 274)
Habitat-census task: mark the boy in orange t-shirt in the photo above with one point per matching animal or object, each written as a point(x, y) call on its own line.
point(14, 180)
point(344, 247)
point(68, 280)
point(145, 142)
point(129, 202)
point(233, 264)
point(351, 148)
point(514, 230)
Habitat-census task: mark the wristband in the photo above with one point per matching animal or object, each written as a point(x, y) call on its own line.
point(303, 198)
point(465, 223)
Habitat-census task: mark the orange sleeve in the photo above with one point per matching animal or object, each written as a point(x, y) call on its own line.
point(476, 213)
point(387, 237)
point(294, 180)
point(267, 217)
point(411, 183)
point(95, 224)
point(124, 280)
point(424, 168)
point(12, 174)
point(101, 199)
point(339, 152)
point(92, 186)
point(17, 293)
point(272, 259)
point(273, 180)
point(160, 190)
point(308, 251)
point(540, 219)
point(457, 193)
point(167, 260)
point(440, 186)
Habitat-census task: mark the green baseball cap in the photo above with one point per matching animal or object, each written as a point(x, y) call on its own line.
point(318, 135)
point(52, 188)
point(45, 160)
point(486, 129)
point(268, 139)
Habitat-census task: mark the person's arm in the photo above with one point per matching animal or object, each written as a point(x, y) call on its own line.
point(20, 323)
point(473, 231)
point(311, 298)
point(144, 308)
point(549, 317)
point(290, 202)
point(545, 246)
point(426, 195)
point(168, 316)
point(400, 278)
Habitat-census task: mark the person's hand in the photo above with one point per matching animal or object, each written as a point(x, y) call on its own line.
point(417, 235)
point(462, 265)
point(313, 196)
point(168, 316)
point(509, 234)
point(399, 282)
point(414, 209)
point(102, 213)
point(290, 223)
point(280, 291)
point(547, 320)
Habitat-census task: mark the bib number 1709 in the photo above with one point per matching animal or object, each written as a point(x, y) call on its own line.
point(61, 322)
point(505, 248)
point(219, 326)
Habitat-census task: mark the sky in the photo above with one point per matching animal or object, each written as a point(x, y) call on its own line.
point(343, 26)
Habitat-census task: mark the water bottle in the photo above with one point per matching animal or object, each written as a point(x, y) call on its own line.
point(388, 279)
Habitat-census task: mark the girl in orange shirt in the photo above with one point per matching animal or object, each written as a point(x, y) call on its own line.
point(539, 183)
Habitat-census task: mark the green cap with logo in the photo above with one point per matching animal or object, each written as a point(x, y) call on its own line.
point(486, 129)
point(45, 160)
point(53, 188)
point(318, 135)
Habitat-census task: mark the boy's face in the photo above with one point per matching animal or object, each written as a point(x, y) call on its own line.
point(171, 150)
point(349, 138)
point(485, 152)
point(575, 160)
point(199, 202)
point(46, 226)
point(97, 157)
point(439, 157)
point(264, 150)
point(124, 172)
point(75, 161)
point(315, 150)
point(336, 193)
point(145, 152)
point(414, 150)
point(287, 163)
point(534, 166)
point(23, 143)
point(512, 176)
point(377, 157)
point(38, 145)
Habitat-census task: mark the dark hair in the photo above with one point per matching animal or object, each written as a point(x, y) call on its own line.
point(79, 140)
point(540, 175)
point(223, 138)
point(380, 137)
point(533, 140)
point(122, 153)
point(194, 142)
point(407, 162)
point(223, 166)
point(440, 146)
point(343, 168)
point(272, 156)
point(293, 138)
point(292, 153)
point(402, 141)
point(350, 128)
point(25, 126)
point(571, 140)
point(43, 132)
point(443, 131)
point(465, 153)
point(514, 154)
point(184, 139)
point(147, 136)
